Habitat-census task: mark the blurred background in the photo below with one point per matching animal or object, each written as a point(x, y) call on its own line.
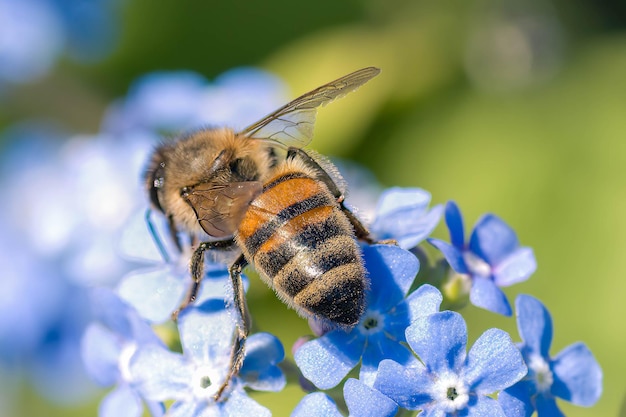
point(509, 106)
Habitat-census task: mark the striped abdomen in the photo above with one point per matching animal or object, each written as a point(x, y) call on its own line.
point(303, 245)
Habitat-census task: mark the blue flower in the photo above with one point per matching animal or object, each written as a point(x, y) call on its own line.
point(172, 102)
point(192, 379)
point(75, 246)
point(34, 33)
point(573, 375)
point(158, 288)
point(361, 399)
point(448, 381)
point(380, 332)
point(402, 214)
point(107, 348)
point(492, 259)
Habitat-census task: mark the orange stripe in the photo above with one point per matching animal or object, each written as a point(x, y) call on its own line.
point(274, 200)
point(295, 226)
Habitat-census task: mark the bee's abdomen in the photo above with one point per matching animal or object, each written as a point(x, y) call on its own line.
point(299, 239)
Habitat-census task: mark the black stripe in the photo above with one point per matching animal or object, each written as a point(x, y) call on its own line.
point(312, 236)
point(289, 176)
point(297, 276)
point(263, 233)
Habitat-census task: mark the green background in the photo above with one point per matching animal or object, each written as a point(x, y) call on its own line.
point(469, 106)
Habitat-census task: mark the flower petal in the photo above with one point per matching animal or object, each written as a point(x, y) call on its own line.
point(122, 401)
point(515, 400)
point(439, 340)
point(494, 363)
point(485, 407)
point(259, 370)
point(408, 387)
point(240, 405)
point(578, 376)
point(492, 239)
point(100, 349)
point(206, 337)
point(380, 347)
point(486, 294)
point(402, 215)
point(316, 404)
point(325, 361)
point(452, 254)
point(547, 407)
point(364, 401)
point(454, 221)
point(516, 267)
point(137, 242)
point(160, 374)
point(534, 324)
point(424, 301)
point(154, 293)
point(392, 270)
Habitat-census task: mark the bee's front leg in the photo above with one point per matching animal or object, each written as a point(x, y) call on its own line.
point(197, 269)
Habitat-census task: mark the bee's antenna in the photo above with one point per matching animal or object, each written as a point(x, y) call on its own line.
point(155, 236)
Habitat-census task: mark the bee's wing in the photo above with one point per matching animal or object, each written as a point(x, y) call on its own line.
point(292, 124)
point(220, 209)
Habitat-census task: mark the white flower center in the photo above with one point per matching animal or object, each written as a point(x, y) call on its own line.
point(451, 392)
point(206, 381)
point(372, 322)
point(540, 370)
point(476, 265)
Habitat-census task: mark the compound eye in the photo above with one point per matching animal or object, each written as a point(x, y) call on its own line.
point(157, 184)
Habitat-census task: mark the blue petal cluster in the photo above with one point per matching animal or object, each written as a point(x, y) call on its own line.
point(34, 33)
point(193, 379)
point(107, 348)
point(174, 102)
point(573, 375)
point(491, 259)
point(325, 361)
point(448, 381)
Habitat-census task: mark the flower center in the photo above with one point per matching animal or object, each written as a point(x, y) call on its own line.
point(476, 265)
point(372, 322)
point(205, 382)
point(540, 371)
point(451, 392)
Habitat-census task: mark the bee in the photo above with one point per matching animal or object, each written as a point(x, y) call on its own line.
point(281, 207)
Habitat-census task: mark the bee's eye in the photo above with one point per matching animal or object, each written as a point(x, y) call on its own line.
point(157, 183)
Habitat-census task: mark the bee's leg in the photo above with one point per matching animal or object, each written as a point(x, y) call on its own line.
point(197, 269)
point(243, 321)
point(359, 228)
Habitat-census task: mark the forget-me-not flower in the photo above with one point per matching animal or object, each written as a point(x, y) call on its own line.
point(573, 374)
point(379, 334)
point(173, 102)
point(193, 379)
point(448, 381)
point(107, 348)
point(361, 400)
point(492, 258)
point(402, 214)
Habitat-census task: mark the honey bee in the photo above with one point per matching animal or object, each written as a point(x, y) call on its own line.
point(282, 208)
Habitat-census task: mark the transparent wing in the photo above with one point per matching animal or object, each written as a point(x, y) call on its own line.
point(292, 124)
point(220, 209)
